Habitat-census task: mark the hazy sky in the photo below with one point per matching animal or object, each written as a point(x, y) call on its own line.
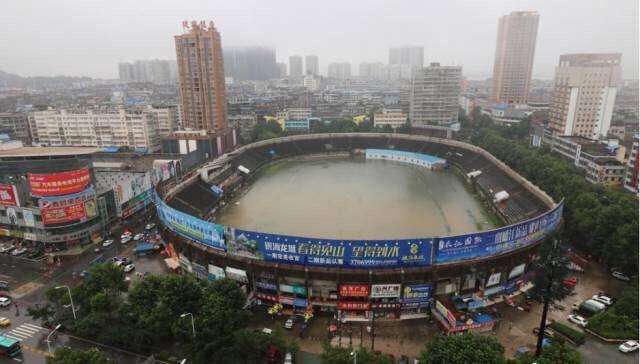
point(89, 37)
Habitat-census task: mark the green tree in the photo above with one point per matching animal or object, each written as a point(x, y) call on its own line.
point(67, 355)
point(336, 355)
point(550, 268)
point(266, 130)
point(463, 349)
point(557, 353)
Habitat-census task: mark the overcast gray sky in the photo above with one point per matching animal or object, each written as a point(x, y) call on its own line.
point(88, 37)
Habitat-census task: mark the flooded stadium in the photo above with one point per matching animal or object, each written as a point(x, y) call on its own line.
point(354, 198)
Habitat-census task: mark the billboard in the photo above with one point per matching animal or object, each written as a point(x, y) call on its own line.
point(215, 272)
point(70, 208)
point(488, 243)
point(203, 231)
point(416, 293)
point(353, 306)
point(446, 313)
point(129, 186)
point(57, 184)
point(337, 253)
point(385, 290)
point(354, 291)
point(516, 271)
point(8, 195)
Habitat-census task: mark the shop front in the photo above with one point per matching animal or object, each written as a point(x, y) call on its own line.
point(353, 302)
point(455, 323)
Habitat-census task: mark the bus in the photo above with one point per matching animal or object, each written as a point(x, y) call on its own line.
point(9, 346)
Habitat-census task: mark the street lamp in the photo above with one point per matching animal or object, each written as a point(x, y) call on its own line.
point(354, 354)
point(73, 308)
point(49, 336)
point(193, 326)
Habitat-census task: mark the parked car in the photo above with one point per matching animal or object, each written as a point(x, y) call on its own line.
point(4, 321)
point(6, 248)
point(126, 234)
point(5, 302)
point(570, 282)
point(150, 226)
point(603, 299)
point(107, 243)
point(288, 358)
point(19, 251)
point(628, 346)
point(125, 240)
point(578, 320)
point(138, 237)
point(289, 323)
point(547, 332)
point(129, 268)
point(619, 275)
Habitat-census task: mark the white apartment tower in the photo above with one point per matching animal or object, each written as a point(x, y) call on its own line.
point(434, 95)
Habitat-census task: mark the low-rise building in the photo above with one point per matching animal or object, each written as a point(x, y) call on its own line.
point(244, 124)
point(391, 117)
point(16, 125)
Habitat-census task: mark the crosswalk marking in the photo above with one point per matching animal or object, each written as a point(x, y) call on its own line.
point(24, 331)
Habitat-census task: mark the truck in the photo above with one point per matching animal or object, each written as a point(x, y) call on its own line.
point(591, 307)
point(9, 346)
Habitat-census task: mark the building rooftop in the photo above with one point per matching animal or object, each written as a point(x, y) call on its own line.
point(47, 151)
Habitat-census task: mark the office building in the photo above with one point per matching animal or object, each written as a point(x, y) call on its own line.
point(135, 129)
point(584, 94)
point(16, 125)
point(391, 117)
point(282, 69)
point(515, 48)
point(340, 70)
point(201, 77)
point(434, 95)
point(311, 65)
point(412, 55)
point(295, 66)
point(250, 63)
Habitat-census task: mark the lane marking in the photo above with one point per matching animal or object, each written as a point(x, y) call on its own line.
point(34, 326)
point(27, 328)
point(23, 332)
point(22, 335)
point(15, 338)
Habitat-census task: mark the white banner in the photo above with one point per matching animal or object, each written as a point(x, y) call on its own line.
point(493, 279)
point(385, 290)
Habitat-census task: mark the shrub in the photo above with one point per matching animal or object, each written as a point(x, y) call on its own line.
point(572, 334)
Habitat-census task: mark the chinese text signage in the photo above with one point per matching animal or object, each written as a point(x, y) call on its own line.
point(57, 184)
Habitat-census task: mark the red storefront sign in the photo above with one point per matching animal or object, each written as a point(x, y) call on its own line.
point(57, 184)
point(354, 291)
point(267, 297)
point(353, 306)
point(8, 195)
point(59, 215)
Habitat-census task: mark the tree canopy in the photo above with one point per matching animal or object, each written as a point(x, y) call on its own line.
point(463, 349)
point(67, 355)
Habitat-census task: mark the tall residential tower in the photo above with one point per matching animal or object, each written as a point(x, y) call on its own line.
point(434, 95)
point(311, 65)
point(295, 66)
point(201, 77)
point(515, 49)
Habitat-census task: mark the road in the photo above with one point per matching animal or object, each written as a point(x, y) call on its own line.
point(31, 334)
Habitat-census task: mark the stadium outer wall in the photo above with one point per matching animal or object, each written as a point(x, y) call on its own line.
point(320, 287)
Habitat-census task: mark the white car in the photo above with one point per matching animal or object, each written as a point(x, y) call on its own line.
point(628, 346)
point(578, 320)
point(4, 302)
point(138, 237)
point(289, 323)
point(603, 299)
point(126, 234)
point(19, 251)
point(125, 240)
point(619, 275)
point(6, 248)
point(107, 243)
point(288, 359)
point(150, 226)
point(129, 268)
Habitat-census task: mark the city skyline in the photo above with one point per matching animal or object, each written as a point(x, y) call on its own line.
point(560, 32)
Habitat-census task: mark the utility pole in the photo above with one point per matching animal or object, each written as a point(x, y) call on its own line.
point(373, 329)
point(547, 298)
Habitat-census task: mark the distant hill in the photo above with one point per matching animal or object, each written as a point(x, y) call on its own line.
point(38, 82)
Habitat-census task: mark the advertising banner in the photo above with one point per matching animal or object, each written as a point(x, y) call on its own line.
point(12, 215)
point(200, 271)
point(416, 293)
point(385, 290)
point(493, 279)
point(516, 271)
point(29, 220)
point(205, 232)
point(237, 274)
point(267, 285)
point(354, 291)
point(63, 209)
point(293, 289)
point(57, 184)
point(337, 253)
point(8, 195)
point(446, 313)
point(267, 297)
point(353, 306)
point(217, 190)
point(488, 243)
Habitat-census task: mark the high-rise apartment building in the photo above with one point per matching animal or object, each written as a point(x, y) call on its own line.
point(584, 94)
point(201, 77)
point(340, 70)
point(311, 65)
point(434, 95)
point(95, 128)
point(631, 174)
point(157, 71)
point(412, 55)
point(372, 71)
point(295, 66)
point(282, 69)
point(250, 63)
point(515, 48)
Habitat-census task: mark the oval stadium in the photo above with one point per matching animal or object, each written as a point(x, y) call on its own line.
point(384, 224)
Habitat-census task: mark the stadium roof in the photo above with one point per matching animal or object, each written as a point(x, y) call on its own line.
point(47, 151)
